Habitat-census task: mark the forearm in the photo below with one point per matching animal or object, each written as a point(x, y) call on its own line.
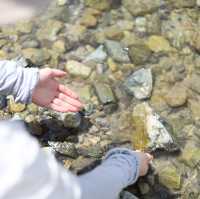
point(17, 81)
point(114, 174)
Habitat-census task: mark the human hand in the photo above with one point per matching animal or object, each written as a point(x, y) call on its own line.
point(51, 94)
point(145, 159)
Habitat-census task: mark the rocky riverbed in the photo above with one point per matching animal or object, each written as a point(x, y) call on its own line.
point(136, 66)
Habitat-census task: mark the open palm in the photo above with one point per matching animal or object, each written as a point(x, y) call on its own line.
point(51, 94)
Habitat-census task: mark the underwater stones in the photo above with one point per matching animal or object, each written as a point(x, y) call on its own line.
point(139, 53)
point(140, 84)
point(141, 7)
point(50, 30)
point(99, 55)
point(77, 69)
point(88, 21)
point(116, 51)
point(177, 96)
point(24, 27)
point(70, 120)
point(169, 176)
point(104, 93)
point(195, 83)
point(150, 132)
point(190, 156)
point(37, 56)
point(59, 46)
point(158, 44)
point(194, 108)
point(15, 107)
point(64, 148)
point(113, 32)
point(99, 5)
point(183, 3)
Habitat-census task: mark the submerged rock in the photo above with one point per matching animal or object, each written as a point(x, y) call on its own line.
point(64, 148)
point(150, 132)
point(99, 55)
point(99, 5)
point(70, 120)
point(169, 176)
point(140, 84)
point(77, 69)
point(116, 51)
point(141, 7)
point(104, 93)
point(139, 53)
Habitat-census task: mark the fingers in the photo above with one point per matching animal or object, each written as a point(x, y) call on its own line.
point(69, 100)
point(65, 105)
point(57, 73)
point(60, 106)
point(149, 157)
point(67, 91)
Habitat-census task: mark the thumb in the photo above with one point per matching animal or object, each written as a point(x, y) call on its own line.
point(57, 73)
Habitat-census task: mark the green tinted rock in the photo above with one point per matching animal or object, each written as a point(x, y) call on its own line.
point(141, 7)
point(99, 5)
point(139, 53)
point(15, 107)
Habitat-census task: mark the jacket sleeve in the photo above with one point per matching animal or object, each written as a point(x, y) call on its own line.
point(28, 172)
point(119, 170)
point(17, 81)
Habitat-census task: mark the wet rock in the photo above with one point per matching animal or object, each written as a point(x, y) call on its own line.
point(113, 32)
point(144, 188)
point(194, 106)
point(150, 132)
point(153, 24)
point(24, 27)
point(62, 2)
point(116, 51)
point(195, 83)
point(37, 56)
point(158, 44)
point(88, 21)
point(99, 55)
point(104, 93)
point(141, 7)
point(112, 65)
point(64, 148)
point(177, 96)
point(50, 30)
point(15, 107)
point(77, 69)
point(179, 29)
point(127, 195)
point(86, 93)
point(70, 120)
point(99, 5)
point(139, 53)
point(190, 155)
point(3, 101)
point(169, 176)
point(140, 84)
point(183, 3)
point(33, 125)
point(30, 44)
point(59, 46)
point(141, 24)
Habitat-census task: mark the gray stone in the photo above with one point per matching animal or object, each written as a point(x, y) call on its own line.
point(64, 148)
point(116, 51)
point(99, 55)
point(140, 84)
point(104, 93)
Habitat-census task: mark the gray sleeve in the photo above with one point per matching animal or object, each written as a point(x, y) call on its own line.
point(119, 170)
point(17, 81)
